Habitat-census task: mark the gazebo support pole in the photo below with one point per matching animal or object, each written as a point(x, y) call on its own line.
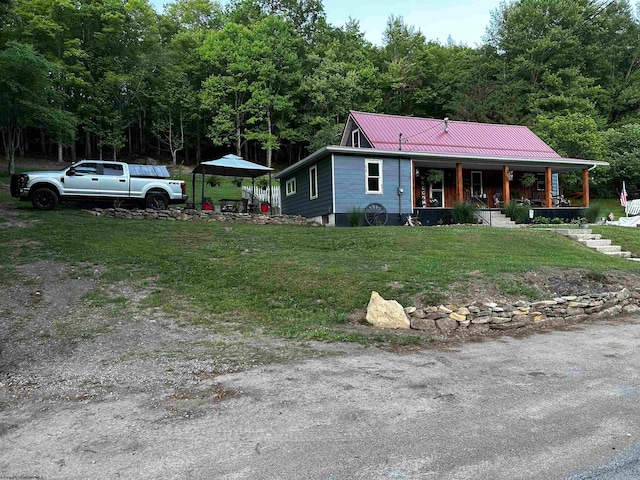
point(270, 197)
point(193, 190)
point(202, 199)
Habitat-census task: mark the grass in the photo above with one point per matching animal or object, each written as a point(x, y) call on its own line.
point(298, 282)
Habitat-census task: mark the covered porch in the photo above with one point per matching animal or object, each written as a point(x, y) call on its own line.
point(492, 183)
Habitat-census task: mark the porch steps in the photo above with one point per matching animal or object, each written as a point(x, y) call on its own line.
point(495, 218)
point(594, 241)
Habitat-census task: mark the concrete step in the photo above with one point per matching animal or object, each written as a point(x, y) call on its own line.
point(596, 242)
point(495, 219)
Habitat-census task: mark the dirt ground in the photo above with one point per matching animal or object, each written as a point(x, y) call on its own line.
point(70, 344)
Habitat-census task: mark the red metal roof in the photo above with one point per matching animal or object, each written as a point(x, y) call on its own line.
point(461, 138)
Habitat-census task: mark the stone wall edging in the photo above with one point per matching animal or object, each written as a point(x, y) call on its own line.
point(188, 214)
point(509, 316)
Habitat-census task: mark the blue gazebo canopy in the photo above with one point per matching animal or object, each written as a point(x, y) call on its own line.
point(232, 166)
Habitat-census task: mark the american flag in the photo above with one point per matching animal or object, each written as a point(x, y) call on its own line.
point(623, 195)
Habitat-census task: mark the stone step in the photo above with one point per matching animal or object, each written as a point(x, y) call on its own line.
point(608, 249)
point(584, 236)
point(572, 231)
point(622, 255)
point(596, 242)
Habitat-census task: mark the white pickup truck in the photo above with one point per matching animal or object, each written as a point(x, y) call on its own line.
point(99, 180)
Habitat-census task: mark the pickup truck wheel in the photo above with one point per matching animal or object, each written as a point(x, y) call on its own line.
point(157, 201)
point(44, 199)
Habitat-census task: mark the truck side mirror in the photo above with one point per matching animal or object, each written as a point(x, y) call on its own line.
point(71, 172)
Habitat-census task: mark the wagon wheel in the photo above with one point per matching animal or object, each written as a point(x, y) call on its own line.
point(375, 214)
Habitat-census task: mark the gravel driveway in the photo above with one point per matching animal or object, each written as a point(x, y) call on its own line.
point(95, 396)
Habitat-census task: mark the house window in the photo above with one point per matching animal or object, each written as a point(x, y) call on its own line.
point(373, 172)
point(540, 181)
point(313, 182)
point(355, 138)
point(291, 187)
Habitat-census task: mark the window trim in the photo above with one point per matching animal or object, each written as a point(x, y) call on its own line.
point(313, 181)
point(293, 184)
point(355, 135)
point(380, 190)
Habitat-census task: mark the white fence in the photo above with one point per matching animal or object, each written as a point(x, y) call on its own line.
point(262, 195)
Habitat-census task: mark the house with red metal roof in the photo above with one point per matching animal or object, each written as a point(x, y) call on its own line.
point(392, 166)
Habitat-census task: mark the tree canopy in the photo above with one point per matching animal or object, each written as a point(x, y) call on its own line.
point(272, 80)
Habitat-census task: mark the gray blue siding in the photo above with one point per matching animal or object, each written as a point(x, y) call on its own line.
point(300, 203)
point(350, 178)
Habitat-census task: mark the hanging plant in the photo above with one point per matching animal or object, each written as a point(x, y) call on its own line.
point(262, 183)
point(528, 180)
point(435, 176)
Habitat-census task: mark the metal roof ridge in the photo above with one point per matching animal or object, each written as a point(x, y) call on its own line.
point(510, 125)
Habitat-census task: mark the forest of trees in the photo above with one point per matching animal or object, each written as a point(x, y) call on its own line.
point(272, 81)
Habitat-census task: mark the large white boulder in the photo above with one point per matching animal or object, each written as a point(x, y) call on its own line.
point(386, 313)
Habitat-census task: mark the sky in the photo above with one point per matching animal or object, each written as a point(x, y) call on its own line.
point(464, 20)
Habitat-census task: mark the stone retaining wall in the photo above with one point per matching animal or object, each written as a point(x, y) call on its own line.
point(189, 214)
point(492, 316)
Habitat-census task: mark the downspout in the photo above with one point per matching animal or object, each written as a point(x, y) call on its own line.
point(400, 189)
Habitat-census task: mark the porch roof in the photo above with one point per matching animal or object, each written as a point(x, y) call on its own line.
point(439, 160)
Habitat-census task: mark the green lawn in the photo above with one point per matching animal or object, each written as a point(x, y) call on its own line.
point(298, 282)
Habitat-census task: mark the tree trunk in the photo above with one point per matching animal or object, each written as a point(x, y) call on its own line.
point(21, 143)
point(60, 153)
point(73, 152)
point(130, 146)
point(43, 145)
point(198, 150)
point(87, 145)
point(238, 138)
point(270, 127)
point(100, 148)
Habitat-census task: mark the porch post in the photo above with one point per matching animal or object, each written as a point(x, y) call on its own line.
point(585, 187)
point(506, 195)
point(459, 189)
point(547, 187)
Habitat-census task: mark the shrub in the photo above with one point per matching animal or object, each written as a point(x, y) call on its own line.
point(464, 212)
point(541, 220)
point(592, 212)
point(356, 215)
point(516, 212)
point(557, 221)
